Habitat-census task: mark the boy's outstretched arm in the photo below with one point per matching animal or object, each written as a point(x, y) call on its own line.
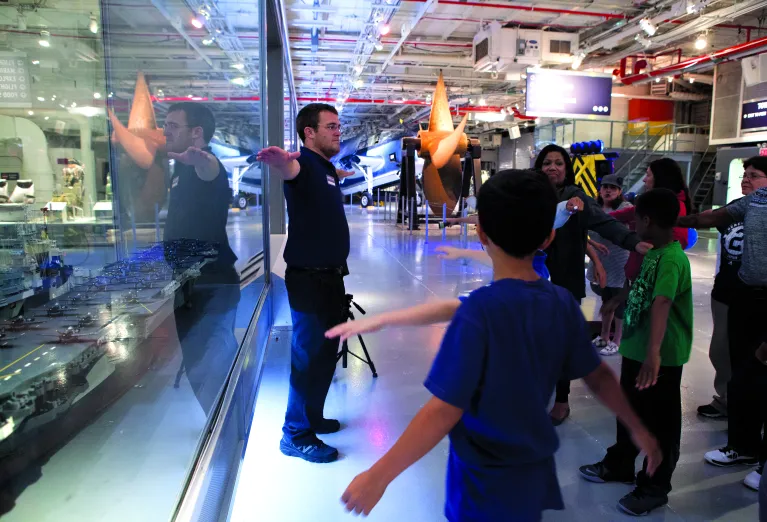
point(452, 253)
point(606, 387)
point(428, 313)
point(428, 427)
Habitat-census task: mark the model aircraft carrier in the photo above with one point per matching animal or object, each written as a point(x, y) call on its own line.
point(87, 347)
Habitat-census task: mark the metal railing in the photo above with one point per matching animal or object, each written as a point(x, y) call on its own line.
point(615, 134)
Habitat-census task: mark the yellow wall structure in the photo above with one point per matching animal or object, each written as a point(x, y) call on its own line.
point(586, 173)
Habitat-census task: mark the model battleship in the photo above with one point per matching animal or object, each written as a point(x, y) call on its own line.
point(75, 356)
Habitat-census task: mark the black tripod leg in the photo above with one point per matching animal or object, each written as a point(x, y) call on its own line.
point(367, 356)
point(345, 354)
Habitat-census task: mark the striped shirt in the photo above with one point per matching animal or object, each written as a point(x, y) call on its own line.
point(614, 262)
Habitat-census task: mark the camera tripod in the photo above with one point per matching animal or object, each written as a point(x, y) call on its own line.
point(344, 353)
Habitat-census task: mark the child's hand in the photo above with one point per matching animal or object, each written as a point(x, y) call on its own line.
point(649, 446)
point(449, 253)
point(643, 248)
point(362, 495)
point(352, 328)
point(601, 275)
point(648, 375)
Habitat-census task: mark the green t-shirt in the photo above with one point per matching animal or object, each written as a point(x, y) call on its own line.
point(665, 272)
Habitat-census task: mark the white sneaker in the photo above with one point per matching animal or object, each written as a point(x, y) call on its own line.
point(598, 343)
point(727, 456)
point(752, 479)
point(610, 349)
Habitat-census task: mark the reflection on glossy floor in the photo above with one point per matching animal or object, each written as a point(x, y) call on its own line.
point(391, 269)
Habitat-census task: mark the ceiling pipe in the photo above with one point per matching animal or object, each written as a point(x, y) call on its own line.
point(413, 23)
point(693, 64)
point(529, 8)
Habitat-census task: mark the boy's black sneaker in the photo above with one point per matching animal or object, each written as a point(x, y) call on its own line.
point(313, 451)
point(710, 411)
point(328, 426)
point(600, 474)
point(641, 501)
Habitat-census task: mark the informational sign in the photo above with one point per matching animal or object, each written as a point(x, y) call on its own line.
point(10, 176)
point(753, 116)
point(554, 93)
point(14, 80)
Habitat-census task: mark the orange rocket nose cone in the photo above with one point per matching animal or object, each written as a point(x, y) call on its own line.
point(142, 111)
point(440, 118)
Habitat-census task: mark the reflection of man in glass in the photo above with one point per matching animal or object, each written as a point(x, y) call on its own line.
point(198, 208)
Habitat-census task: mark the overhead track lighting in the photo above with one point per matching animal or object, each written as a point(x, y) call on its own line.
point(648, 27)
point(701, 42)
point(379, 46)
point(208, 41)
point(45, 39)
point(239, 81)
point(384, 29)
point(670, 79)
point(197, 23)
point(239, 66)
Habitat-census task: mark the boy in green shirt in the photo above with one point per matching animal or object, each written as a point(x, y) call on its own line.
point(657, 341)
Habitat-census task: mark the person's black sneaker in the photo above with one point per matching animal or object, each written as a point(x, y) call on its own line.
point(328, 426)
point(313, 451)
point(710, 411)
point(600, 474)
point(641, 501)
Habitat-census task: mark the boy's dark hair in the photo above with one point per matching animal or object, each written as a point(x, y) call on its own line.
point(757, 162)
point(516, 210)
point(668, 175)
point(661, 206)
point(309, 116)
point(197, 115)
point(569, 172)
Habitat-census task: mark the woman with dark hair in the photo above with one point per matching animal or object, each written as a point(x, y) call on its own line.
point(662, 173)
point(568, 250)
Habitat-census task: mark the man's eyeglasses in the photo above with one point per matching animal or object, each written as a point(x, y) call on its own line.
point(172, 125)
point(753, 175)
point(332, 127)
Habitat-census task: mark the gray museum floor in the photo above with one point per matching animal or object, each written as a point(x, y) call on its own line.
point(390, 268)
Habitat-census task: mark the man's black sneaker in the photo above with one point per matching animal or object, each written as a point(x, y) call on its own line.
point(313, 451)
point(641, 501)
point(600, 474)
point(328, 426)
point(710, 411)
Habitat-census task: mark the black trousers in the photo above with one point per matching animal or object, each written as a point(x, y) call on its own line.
point(563, 386)
point(317, 303)
point(747, 390)
point(660, 409)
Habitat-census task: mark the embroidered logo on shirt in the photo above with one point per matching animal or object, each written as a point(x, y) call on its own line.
point(331, 181)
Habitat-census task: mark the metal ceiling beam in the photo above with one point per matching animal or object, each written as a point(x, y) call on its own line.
point(176, 23)
point(413, 23)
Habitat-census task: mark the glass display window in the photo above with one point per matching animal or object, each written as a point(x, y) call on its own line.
point(131, 247)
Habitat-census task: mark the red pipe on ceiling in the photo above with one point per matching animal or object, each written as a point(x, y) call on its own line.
point(528, 8)
point(726, 54)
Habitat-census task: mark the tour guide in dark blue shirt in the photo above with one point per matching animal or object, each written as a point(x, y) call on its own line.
point(198, 208)
point(315, 254)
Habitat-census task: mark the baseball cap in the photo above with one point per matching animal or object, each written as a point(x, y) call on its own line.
point(613, 179)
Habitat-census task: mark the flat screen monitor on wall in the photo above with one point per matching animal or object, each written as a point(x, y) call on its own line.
point(554, 93)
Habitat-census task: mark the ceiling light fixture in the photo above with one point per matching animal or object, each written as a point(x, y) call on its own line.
point(644, 42)
point(358, 69)
point(670, 79)
point(578, 60)
point(482, 102)
point(197, 23)
point(93, 25)
point(692, 80)
point(96, 95)
point(208, 40)
point(45, 39)
point(47, 118)
point(31, 113)
point(378, 46)
point(239, 66)
point(358, 83)
point(239, 81)
point(701, 42)
point(657, 80)
point(40, 98)
point(648, 27)
point(691, 7)
point(384, 29)
point(35, 62)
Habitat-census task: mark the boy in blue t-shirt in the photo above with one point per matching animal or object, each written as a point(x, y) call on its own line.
point(507, 345)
